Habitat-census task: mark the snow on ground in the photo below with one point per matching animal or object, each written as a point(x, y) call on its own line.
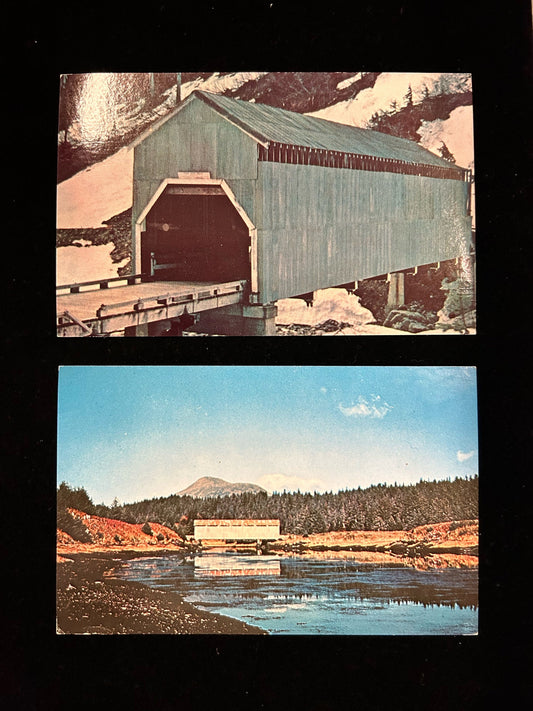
point(348, 82)
point(217, 84)
point(85, 262)
point(96, 193)
point(339, 305)
point(389, 87)
point(457, 132)
point(335, 304)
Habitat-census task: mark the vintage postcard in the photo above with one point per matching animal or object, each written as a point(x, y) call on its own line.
point(265, 203)
point(277, 500)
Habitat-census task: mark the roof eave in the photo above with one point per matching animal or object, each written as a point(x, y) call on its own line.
point(206, 98)
point(203, 96)
point(160, 122)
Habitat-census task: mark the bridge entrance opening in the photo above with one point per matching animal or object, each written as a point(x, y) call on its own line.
point(194, 233)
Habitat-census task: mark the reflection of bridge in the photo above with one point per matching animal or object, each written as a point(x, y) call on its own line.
point(228, 565)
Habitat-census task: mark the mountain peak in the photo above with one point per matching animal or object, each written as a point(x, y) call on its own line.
point(207, 486)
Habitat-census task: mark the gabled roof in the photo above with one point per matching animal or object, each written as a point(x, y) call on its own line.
point(268, 124)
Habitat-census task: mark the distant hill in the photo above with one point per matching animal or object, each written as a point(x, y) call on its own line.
point(208, 486)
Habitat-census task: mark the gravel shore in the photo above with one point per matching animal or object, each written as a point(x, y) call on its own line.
point(89, 601)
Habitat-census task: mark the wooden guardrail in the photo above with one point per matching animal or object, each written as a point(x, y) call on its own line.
point(75, 287)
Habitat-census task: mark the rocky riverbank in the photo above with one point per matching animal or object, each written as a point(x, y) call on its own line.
point(91, 601)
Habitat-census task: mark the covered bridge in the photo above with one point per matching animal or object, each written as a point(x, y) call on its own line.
point(236, 529)
point(227, 190)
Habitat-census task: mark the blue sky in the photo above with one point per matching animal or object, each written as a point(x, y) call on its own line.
point(141, 432)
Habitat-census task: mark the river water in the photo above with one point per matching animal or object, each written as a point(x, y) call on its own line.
point(304, 595)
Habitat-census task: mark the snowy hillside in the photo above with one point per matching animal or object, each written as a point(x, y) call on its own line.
point(96, 193)
point(389, 94)
point(104, 189)
point(457, 132)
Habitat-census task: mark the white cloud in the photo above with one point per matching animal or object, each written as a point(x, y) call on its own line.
point(376, 408)
point(323, 390)
point(463, 456)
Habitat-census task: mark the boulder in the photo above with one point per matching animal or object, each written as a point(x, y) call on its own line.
point(406, 320)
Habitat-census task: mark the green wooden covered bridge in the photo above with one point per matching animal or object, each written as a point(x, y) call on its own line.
point(227, 190)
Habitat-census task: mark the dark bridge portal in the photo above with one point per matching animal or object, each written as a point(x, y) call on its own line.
point(194, 233)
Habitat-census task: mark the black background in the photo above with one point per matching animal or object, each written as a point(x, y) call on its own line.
point(49, 671)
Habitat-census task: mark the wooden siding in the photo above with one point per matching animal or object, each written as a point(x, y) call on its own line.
point(318, 227)
point(236, 529)
point(195, 139)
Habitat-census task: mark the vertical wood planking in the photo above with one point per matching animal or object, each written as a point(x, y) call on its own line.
point(331, 226)
point(317, 225)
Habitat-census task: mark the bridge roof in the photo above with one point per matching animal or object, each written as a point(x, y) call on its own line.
point(271, 124)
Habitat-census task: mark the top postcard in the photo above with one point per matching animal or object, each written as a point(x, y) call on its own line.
point(265, 204)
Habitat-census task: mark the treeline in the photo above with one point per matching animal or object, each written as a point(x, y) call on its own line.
point(380, 507)
point(405, 120)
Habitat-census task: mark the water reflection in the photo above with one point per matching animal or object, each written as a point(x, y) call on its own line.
point(224, 565)
point(303, 595)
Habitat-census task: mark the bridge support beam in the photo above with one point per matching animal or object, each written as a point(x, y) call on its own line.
point(138, 331)
point(396, 295)
point(239, 320)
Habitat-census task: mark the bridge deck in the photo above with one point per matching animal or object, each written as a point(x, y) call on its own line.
point(113, 309)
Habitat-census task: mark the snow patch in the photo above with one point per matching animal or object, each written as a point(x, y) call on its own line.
point(348, 82)
point(457, 132)
point(96, 193)
point(76, 264)
point(335, 304)
point(390, 87)
point(217, 84)
point(339, 305)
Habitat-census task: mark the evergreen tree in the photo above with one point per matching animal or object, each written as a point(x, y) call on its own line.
point(390, 507)
point(79, 499)
point(446, 153)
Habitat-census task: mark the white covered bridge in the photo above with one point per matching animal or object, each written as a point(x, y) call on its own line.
point(236, 530)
